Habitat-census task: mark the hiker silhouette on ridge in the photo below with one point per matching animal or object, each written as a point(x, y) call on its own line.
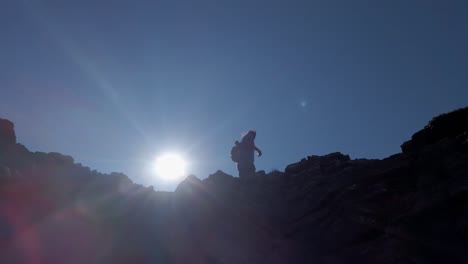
point(246, 152)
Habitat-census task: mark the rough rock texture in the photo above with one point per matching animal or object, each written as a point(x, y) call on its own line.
point(408, 208)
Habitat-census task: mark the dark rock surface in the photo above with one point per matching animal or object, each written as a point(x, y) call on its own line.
point(408, 208)
point(7, 133)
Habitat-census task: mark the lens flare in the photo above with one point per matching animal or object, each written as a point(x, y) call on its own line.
point(170, 166)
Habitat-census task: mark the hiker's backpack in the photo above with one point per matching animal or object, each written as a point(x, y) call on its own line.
point(235, 153)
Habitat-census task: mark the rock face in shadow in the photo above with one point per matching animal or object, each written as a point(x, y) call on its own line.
point(411, 207)
point(7, 133)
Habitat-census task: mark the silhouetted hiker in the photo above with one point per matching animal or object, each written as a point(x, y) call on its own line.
point(243, 154)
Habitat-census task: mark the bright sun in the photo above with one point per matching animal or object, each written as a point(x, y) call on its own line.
point(170, 166)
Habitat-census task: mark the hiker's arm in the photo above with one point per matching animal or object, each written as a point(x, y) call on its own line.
point(258, 150)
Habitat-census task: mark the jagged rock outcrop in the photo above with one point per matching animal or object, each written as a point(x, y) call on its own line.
point(453, 125)
point(7, 133)
point(408, 208)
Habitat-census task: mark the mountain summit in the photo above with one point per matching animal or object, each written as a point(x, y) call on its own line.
point(411, 207)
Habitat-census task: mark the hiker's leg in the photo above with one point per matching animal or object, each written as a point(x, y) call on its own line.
point(252, 169)
point(242, 170)
point(248, 170)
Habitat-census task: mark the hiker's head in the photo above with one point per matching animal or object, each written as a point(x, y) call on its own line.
point(249, 135)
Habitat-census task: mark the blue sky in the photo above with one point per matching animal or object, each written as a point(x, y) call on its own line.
point(114, 83)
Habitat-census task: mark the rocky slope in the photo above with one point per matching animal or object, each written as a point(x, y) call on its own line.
point(408, 208)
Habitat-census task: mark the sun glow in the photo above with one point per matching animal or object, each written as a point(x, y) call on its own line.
point(170, 166)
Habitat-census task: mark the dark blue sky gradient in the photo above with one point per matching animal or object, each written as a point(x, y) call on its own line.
point(114, 83)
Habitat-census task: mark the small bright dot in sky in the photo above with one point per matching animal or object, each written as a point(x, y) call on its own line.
point(303, 103)
point(170, 166)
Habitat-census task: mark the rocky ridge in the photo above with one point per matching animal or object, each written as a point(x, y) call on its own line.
point(408, 208)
